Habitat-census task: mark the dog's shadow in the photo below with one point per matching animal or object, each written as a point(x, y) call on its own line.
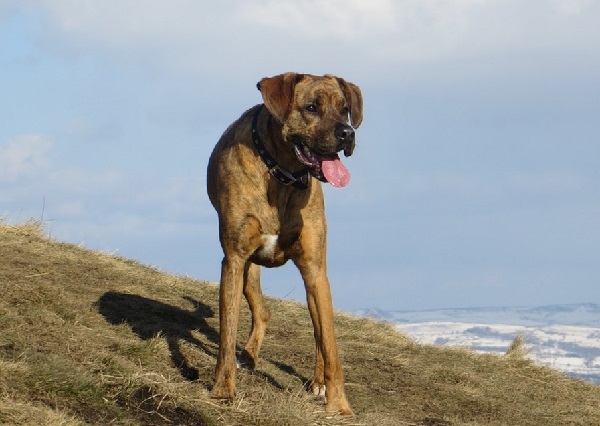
point(149, 318)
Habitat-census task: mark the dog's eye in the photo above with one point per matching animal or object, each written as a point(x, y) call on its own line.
point(345, 111)
point(312, 108)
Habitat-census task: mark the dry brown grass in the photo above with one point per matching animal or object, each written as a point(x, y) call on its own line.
point(89, 338)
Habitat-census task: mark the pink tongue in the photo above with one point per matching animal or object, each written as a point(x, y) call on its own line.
point(335, 172)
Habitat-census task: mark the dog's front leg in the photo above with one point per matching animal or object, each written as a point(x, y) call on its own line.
point(328, 370)
point(230, 294)
point(317, 386)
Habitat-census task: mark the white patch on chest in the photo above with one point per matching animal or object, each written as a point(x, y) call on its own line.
point(269, 243)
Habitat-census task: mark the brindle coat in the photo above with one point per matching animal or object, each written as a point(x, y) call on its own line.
point(263, 222)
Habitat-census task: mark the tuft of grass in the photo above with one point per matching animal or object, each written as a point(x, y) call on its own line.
point(518, 349)
point(90, 338)
point(31, 227)
point(33, 414)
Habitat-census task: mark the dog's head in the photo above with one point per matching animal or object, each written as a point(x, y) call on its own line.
point(318, 116)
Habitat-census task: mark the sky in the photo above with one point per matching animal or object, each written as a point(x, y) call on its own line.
point(475, 180)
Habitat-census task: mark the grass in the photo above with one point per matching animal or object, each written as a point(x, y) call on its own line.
point(90, 338)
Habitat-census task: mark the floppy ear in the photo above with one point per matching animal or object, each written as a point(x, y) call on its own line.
point(278, 93)
point(355, 101)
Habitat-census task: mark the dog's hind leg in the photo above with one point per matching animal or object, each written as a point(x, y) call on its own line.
point(260, 315)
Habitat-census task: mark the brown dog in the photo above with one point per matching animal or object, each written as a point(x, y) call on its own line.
point(271, 210)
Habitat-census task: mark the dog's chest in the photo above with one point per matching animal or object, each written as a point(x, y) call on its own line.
point(275, 248)
point(280, 220)
point(268, 247)
point(269, 252)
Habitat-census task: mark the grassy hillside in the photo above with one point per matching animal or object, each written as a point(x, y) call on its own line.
point(88, 338)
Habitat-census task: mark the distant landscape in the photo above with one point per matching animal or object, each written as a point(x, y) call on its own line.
point(564, 337)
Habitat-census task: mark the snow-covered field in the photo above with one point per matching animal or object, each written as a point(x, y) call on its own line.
point(565, 337)
point(572, 349)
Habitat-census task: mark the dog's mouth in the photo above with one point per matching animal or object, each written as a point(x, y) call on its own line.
point(328, 166)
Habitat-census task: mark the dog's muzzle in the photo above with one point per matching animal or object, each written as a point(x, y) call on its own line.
point(326, 166)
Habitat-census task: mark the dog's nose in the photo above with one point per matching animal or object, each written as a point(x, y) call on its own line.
point(344, 133)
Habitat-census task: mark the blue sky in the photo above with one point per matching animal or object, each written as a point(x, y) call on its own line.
point(475, 181)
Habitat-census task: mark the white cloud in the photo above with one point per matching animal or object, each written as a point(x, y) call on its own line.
point(131, 22)
point(186, 36)
point(572, 7)
point(405, 30)
point(179, 35)
point(317, 19)
point(358, 19)
point(23, 156)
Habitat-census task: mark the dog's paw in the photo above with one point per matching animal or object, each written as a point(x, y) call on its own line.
point(336, 402)
point(317, 389)
point(342, 409)
point(223, 390)
point(247, 361)
point(222, 394)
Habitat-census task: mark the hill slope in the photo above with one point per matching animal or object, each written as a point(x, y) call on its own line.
point(88, 338)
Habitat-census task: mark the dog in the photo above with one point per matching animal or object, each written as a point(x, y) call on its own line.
point(264, 180)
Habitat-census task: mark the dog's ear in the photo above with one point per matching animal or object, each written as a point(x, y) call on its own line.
point(278, 93)
point(355, 101)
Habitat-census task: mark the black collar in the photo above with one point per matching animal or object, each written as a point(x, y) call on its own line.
point(298, 180)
